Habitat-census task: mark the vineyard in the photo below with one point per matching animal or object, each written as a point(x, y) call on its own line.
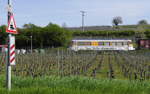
point(132, 65)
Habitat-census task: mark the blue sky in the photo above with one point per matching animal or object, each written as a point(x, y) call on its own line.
point(98, 12)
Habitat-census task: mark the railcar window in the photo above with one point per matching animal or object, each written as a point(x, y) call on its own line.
point(119, 43)
point(125, 43)
point(100, 43)
point(72, 43)
point(110, 43)
point(88, 43)
point(142, 43)
point(94, 43)
point(81, 43)
point(106, 43)
point(147, 42)
point(84, 43)
point(113, 44)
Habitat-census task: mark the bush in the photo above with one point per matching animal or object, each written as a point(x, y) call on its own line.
point(104, 33)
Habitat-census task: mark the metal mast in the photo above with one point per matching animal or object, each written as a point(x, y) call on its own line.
point(8, 66)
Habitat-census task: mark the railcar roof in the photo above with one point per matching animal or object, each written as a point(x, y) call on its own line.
point(103, 40)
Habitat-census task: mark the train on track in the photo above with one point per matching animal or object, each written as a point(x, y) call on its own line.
point(109, 44)
point(143, 43)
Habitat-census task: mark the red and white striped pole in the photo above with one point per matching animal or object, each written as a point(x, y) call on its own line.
point(10, 59)
point(12, 50)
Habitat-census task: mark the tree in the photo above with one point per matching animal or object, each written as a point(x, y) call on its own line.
point(142, 22)
point(28, 26)
point(51, 35)
point(55, 36)
point(3, 34)
point(117, 20)
point(64, 25)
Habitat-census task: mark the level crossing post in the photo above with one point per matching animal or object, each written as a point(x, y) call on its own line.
point(8, 66)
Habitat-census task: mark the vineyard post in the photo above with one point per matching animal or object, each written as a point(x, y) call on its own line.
point(31, 44)
point(62, 63)
point(70, 52)
point(58, 62)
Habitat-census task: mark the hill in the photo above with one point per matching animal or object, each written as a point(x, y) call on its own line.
point(111, 28)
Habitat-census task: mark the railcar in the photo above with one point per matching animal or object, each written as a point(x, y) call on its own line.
point(119, 44)
point(143, 44)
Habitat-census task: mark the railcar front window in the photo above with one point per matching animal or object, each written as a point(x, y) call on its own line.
point(73, 43)
point(80, 43)
point(84, 43)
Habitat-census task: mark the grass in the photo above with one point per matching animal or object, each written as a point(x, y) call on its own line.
point(74, 85)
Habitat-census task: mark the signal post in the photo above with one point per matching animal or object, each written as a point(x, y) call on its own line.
point(11, 29)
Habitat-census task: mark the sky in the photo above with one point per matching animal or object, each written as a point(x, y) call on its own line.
point(98, 12)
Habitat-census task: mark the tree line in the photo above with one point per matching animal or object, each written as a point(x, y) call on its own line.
point(41, 37)
point(53, 35)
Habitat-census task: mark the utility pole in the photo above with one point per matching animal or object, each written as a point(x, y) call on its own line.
point(8, 66)
point(83, 14)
